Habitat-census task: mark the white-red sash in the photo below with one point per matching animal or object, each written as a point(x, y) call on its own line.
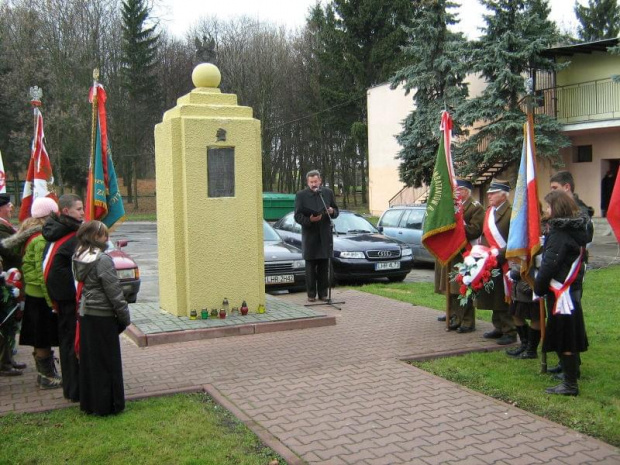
point(563, 302)
point(50, 253)
point(496, 241)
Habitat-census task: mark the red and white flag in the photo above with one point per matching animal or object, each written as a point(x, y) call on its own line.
point(39, 170)
point(2, 176)
point(613, 211)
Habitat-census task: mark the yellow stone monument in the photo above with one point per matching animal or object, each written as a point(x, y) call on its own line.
point(209, 201)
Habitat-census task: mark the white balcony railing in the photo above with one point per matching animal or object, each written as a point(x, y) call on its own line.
point(586, 101)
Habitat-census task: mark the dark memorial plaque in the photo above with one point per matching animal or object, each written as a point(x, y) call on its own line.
point(221, 171)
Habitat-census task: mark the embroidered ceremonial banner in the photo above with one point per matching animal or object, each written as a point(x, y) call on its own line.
point(444, 232)
point(103, 199)
point(39, 175)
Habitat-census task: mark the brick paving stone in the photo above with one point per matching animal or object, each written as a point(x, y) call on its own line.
point(321, 391)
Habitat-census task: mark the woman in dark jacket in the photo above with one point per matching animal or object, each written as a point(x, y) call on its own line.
point(104, 314)
point(560, 278)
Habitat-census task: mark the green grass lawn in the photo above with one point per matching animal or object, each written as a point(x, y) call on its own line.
point(596, 411)
point(182, 429)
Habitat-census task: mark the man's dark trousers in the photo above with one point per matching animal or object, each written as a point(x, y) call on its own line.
point(317, 278)
point(67, 321)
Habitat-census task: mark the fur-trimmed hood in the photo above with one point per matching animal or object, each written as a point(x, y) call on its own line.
point(18, 239)
point(575, 226)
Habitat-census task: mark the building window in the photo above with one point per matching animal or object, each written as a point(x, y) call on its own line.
point(583, 154)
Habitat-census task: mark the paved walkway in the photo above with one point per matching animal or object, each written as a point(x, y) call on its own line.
point(339, 394)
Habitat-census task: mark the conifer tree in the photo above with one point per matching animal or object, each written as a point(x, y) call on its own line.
point(435, 77)
point(599, 20)
point(510, 49)
point(362, 49)
point(139, 47)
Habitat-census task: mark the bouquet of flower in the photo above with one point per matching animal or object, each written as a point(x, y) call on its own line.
point(476, 272)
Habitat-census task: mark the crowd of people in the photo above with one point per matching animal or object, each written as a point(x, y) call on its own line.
point(71, 299)
point(567, 231)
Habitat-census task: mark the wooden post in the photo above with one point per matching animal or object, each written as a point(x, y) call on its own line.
point(446, 275)
point(543, 354)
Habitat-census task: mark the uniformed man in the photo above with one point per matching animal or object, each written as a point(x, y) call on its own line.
point(9, 258)
point(495, 235)
point(463, 318)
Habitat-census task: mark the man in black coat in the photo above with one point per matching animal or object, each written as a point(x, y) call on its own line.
point(313, 208)
point(59, 231)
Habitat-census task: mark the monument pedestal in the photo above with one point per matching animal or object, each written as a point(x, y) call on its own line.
point(209, 201)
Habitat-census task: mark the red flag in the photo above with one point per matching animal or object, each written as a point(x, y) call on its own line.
point(39, 169)
point(444, 232)
point(613, 211)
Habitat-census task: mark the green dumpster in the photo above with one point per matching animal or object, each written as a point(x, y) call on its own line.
point(276, 205)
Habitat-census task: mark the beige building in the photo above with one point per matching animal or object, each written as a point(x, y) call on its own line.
point(582, 96)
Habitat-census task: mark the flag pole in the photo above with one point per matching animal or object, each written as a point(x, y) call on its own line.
point(529, 105)
point(93, 141)
point(447, 281)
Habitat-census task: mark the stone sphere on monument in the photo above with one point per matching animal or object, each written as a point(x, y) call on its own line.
point(206, 75)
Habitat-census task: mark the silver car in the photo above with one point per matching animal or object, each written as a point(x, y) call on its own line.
point(406, 223)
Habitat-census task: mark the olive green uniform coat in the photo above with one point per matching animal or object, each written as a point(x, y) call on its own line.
point(473, 215)
point(495, 300)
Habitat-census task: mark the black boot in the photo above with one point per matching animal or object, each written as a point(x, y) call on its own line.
point(522, 331)
point(568, 387)
point(47, 376)
point(560, 376)
point(533, 340)
point(558, 368)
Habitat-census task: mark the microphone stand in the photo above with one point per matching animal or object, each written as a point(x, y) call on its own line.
point(330, 269)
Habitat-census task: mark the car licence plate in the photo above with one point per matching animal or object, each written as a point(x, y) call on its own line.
point(280, 279)
point(387, 266)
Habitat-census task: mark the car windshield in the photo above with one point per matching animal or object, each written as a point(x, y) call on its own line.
point(351, 223)
point(270, 234)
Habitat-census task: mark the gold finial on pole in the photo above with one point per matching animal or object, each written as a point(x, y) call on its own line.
point(96, 74)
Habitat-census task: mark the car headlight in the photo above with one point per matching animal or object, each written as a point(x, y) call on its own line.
point(127, 274)
point(299, 264)
point(406, 252)
point(351, 254)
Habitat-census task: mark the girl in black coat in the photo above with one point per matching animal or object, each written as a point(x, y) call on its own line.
point(562, 269)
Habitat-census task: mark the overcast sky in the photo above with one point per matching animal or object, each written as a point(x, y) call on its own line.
point(179, 15)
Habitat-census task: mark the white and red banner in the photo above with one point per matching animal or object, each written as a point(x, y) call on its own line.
point(613, 211)
point(39, 174)
point(524, 233)
point(2, 176)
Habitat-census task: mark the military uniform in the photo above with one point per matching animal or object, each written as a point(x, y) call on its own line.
point(463, 316)
point(496, 299)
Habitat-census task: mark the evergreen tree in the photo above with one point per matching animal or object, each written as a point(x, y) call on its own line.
point(516, 33)
point(599, 20)
point(435, 76)
point(364, 49)
point(142, 105)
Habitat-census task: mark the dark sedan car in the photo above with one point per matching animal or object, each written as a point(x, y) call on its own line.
point(126, 269)
point(360, 251)
point(285, 268)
